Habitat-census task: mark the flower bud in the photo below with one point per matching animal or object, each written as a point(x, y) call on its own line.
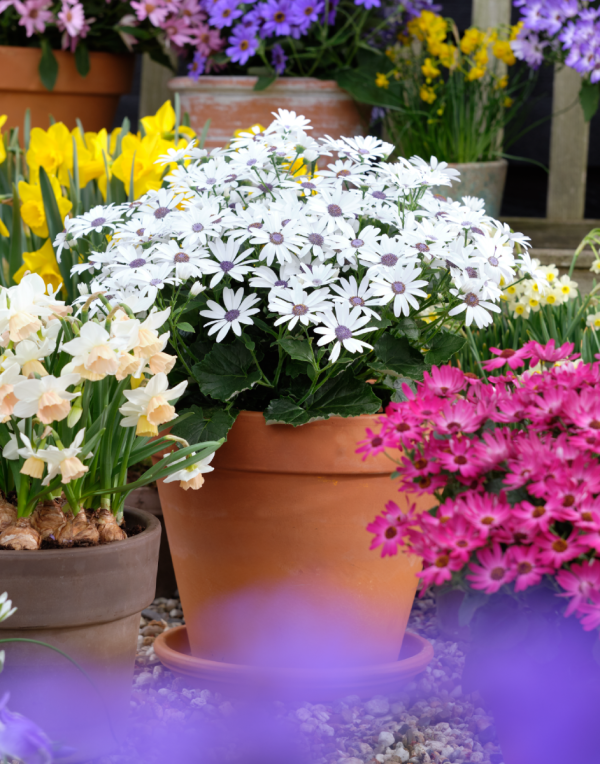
point(196, 289)
point(75, 413)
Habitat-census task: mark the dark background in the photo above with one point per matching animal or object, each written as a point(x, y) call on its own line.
point(526, 185)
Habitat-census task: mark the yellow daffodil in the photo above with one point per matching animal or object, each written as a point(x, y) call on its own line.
point(51, 149)
point(32, 205)
point(42, 262)
point(89, 160)
point(508, 102)
point(514, 30)
point(476, 73)
point(163, 123)
point(429, 69)
point(427, 94)
point(472, 39)
point(502, 50)
point(3, 118)
point(448, 55)
point(257, 128)
point(481, 57)
point(3, 229)
point(144, 151)
point(382, 81)
point(502, 82)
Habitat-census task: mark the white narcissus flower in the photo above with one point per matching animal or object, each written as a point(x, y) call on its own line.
point(342, 328)
point(27, 355)
point(192, 475)
point(149, 406)
point(95, 353)
point(33, 465)
point(22, 306)
point(8, 400)
point(149, 341)
point(237, 311)
point(64, 460)
point(46, 398)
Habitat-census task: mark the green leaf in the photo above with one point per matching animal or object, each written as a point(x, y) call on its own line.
point(589, 98)
point(15, 257)
point(250, 344)
point(297, 348)
point(55, 226)
point(263, 82)
point(396, 357)
point(226, 371)
point(285, 411)
point(203, 427)
point(445, 346)
point(345, 396)
point(395, 383)
point(82, 59)
point(185, 327)
point(406, 327)
point(48, 67)
point(472, 601)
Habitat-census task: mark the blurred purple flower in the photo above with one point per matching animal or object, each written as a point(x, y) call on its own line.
point(305, 12)
point(223, 13)
point(20, 738)
point(278, 59)
point(242, 45)
point(277, 17)
point(196, 68)
point(368, 4)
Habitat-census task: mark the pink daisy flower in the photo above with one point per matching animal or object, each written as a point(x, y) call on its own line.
point(525, 564)
point(460, 416)
point(446, 381)
point(556, 550)
point(514, 359)
point(579, 581)
point(494, 571)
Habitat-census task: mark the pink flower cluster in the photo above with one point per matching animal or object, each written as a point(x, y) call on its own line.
point(514, 466)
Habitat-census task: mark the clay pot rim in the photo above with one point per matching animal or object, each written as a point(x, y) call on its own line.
point(344, 421)
point(151, 522)
point(246, 82)
point(166, 647)
point(487, 163)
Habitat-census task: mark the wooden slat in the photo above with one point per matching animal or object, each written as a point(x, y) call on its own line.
point(153, 89)
point(490, 13)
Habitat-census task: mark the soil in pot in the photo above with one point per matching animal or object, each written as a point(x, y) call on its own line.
point(87, 603)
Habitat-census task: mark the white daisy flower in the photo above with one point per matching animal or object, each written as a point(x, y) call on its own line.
point(186, 263)
point(402, 286)
point(197, 225)
point(269, 279)
point(342, 326)
point(96, 219)
point(295, 305)
point(337, 207)
point(317, 274)
point(237, 311)
point(279, 242)
point(471, 293)
point(229, 261)
point(359, 296)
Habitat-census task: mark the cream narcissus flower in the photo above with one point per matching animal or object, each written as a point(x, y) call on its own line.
point(33, 464)
point(8, 379)
point(46, 398)
point(150, 406)
point(192, 475)
point(95, 353)
point(27, 357)
point(149, 341)
point(64, 460)
point(22, 306)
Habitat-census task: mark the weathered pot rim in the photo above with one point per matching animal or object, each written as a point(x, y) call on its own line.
point(335, 420)
point(152, 523)
point(488, 163)
point(246, 82)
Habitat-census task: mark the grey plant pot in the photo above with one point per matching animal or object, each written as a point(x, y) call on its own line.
point(482, 179)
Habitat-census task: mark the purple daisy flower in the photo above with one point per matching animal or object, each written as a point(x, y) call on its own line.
point(242, 45)
point(278, 59)
point(223, 13)
point(305, 12)
point(277, 16)
point(196, 68)
point(368, 4)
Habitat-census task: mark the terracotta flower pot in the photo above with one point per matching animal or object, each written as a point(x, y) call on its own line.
point(272, 557)
point(231, 103)
point(485, 180)
point(93, 98)
point(87, 603)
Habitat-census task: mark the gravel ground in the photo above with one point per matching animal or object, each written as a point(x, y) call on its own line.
point(430, 721)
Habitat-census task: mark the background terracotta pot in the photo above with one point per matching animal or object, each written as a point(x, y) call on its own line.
point(231, 103)
point(272, 557)
point(93, 98)
point(485, 180)
point(87, 603)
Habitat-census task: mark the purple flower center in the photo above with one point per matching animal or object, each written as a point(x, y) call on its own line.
point(181, 257)
point(197, 227)
point(279, 17)
point(466, 223)
point(379, 195)
point(343, 174)
point(334, 210)
point(250, 162)
point(342, 333)
point(140, 232)
point(316, 239)
point(98, 221)
point(137, 263)
point(300, 310)
point(232, 315)
point(471, 272)
point(356, 243)
point(477, 230)
point(276, 238)
point(422, 247)
point(357, 301)
point(472, 300)
point(161, 212)
point(493, 261)
point(255, 225)
point(364, 151)
point(156, 282)
point(211, 181)
point(281, 283)
point(226, 265)
point(310, 186)
point(398, 287)
point(389, 259)
point(265, 187)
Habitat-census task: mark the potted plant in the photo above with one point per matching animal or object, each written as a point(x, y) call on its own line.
point(252, 59)
point(512, 464)
point(82, 400)
point(450, 97)
point(68, 58)
point(299, 300)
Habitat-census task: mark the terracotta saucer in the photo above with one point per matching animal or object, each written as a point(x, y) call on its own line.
point(172, 648)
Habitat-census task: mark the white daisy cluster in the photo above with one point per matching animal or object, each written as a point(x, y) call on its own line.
point(547, 287)
point(323, 235)
point(65, 386)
